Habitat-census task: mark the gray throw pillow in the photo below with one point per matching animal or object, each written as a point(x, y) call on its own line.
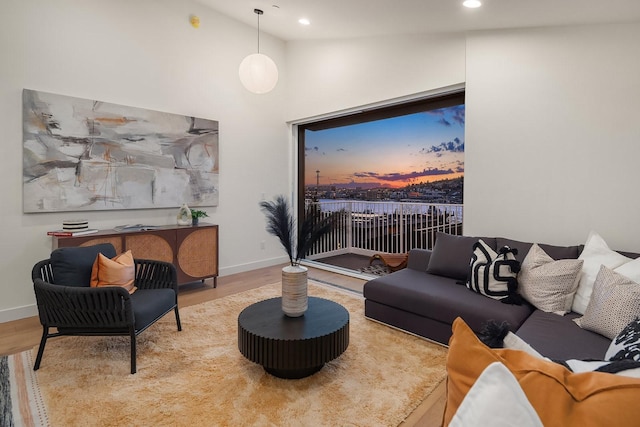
point(72, 266)
point(451, 255)
point(555, 252)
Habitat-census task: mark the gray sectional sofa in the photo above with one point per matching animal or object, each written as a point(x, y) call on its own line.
point(426, 297)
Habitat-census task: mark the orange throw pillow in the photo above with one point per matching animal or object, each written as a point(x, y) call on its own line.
point(119, 271)
point(559, 396)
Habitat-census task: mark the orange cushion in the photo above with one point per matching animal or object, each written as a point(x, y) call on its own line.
point(119, 271)
point(559, 396)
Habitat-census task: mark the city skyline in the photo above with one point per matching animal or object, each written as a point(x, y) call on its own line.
point(394, 152)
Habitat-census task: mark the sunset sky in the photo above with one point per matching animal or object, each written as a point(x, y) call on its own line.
point(395, 152)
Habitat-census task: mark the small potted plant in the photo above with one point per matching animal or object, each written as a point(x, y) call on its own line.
point(196, 215)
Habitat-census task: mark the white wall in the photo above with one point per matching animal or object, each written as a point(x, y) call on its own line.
point(140, 53)
point(553, 135)
point(332, 75)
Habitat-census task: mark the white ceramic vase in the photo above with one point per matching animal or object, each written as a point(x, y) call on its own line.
point(294, 290)
point(184, 215)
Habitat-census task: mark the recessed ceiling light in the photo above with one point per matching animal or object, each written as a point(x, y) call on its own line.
point(472, 4)
point(304, 21)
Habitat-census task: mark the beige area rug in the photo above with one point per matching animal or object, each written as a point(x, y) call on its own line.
point(198, 377)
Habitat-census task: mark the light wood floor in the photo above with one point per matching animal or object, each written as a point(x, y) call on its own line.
point(24, 334)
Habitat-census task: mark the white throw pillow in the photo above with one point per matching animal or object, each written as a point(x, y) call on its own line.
point(615, 302)
point(616, 368)
point(514, 342)
point(630, 269)
point(549, 284)
point(595, 253)
point(495, 399)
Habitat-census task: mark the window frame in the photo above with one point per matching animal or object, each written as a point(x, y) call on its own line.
point(433, 102)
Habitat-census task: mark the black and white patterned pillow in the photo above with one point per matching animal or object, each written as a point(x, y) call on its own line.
point(626, 346)
point(622, 357)
point(495, 274)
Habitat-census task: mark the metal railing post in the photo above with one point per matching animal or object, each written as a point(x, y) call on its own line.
point(370, 227)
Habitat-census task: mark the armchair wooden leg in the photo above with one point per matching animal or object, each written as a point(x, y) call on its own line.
point(133, 351)
point(43, 341)
point(178, 318)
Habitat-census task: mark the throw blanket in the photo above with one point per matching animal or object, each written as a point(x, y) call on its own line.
point(21, 403)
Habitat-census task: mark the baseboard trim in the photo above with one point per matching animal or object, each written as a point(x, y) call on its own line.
point(241, 268)
point(17, 313)
point(338, 270)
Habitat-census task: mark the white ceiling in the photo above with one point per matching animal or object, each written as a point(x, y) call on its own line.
point(366, 18)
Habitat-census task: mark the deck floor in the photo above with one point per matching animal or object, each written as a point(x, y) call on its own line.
point(350, 261)
point(358, 263)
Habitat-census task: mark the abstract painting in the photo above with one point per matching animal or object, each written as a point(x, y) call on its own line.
point(80, 154)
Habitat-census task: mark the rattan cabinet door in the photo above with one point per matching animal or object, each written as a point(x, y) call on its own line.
point(198, 252)
point(156, 245)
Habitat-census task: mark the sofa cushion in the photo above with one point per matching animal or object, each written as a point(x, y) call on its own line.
point(614, 303)
point(627, 344)
point(559, 338)
point(451, 255)
point(632, 255)
point(419, 259)
point(555, 252)
point(150, 304)
point(546, 283)
point(494, 274)
point(72, 266)
point(627, 367)
point(441, 299)
point(595, 253)
point(560, 398)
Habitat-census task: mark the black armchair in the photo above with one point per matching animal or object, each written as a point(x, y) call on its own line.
point(75, 308)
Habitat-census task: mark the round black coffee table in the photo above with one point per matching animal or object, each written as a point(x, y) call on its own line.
point(293, 347)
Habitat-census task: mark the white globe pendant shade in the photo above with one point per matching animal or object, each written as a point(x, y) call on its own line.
point(258, 73)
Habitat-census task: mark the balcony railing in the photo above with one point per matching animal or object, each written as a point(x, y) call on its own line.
point(366, 228)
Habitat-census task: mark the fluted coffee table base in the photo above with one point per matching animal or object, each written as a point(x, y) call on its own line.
point(293, 347)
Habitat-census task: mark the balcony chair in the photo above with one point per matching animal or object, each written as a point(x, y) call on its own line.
point(67, 302)
point(393, 262)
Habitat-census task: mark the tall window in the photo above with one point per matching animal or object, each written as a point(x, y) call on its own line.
point(407, 152)
point(395, 172)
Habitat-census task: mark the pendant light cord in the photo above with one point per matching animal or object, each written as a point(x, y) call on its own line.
point(258, 12)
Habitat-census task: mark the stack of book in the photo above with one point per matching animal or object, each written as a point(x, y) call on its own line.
point(75, 227)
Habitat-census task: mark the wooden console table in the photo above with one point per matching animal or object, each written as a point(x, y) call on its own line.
point(193, 250)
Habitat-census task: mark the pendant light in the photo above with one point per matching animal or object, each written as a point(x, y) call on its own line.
point(258, 73)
